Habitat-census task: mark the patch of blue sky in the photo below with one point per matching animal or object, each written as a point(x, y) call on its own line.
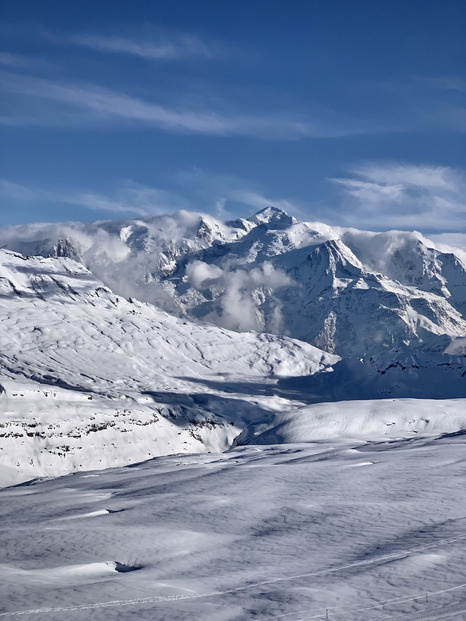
point(220, 108)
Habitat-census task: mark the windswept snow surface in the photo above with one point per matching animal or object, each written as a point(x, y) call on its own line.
point(363, 530)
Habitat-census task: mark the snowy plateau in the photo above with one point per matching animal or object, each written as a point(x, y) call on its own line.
point(257, 419)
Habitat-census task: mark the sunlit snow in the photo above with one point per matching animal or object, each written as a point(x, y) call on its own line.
point(363, 530)
point(192, 465)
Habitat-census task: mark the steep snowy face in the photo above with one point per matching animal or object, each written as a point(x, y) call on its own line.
point(345, 291)
point(407, 258)
point(89, 379)
point(304, 280)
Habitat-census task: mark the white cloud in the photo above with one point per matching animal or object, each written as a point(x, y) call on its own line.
point(239, 307)
point(202, 274)
point(369, 192)
point(129, 198)
point(45, 102)
point(405, 196)
point(157, 47)
point(408, 175)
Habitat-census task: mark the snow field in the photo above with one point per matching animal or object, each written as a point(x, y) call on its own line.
point(90, 380)
point(362, 529)
point(343, 493)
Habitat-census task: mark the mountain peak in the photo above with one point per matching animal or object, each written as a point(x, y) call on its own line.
point(274, 217)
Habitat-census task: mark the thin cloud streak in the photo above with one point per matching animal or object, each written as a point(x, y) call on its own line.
point(219, 193)
point(425, 198)
point(157, 48)
point(405, 196)
point(196, 190)
point(128, 198)
point(80, 103)
point(15, 60)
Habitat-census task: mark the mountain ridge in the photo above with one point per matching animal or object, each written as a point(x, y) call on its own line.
point(273, 273)
point(90, 379)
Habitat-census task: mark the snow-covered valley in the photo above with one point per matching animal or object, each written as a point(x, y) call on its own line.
point(363, 530)
point(260, 419)
point(89, 379)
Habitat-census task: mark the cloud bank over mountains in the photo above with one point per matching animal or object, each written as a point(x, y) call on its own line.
point(378, 195)
point(405, 196)
point(344, 290)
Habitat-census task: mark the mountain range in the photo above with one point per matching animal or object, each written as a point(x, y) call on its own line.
point(121, 341)
point(349, 292)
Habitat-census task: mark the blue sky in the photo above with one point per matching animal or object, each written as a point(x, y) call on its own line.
point(351, 113)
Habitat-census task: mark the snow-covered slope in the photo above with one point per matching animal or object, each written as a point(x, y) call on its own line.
point(88, 379)
point(338, 496)
point(345, 291)
point(352, 531)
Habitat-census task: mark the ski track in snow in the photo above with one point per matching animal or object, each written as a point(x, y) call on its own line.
point(170, 598)
point(92, 380)
point(258, 484)
point(333, 613)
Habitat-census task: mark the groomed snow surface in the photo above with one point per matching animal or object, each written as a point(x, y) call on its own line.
point(357, 531)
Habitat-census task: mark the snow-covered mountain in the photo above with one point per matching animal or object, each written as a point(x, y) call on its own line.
point(89, 379)
point(345, 291)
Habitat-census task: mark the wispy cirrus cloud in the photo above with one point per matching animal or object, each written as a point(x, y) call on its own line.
point(221, 194)
point(81, 103)
point(404, 196)
point(15, 60)
point(128, 198)
point(166, 46)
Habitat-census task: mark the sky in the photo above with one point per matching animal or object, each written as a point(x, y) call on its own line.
point(350, 113)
